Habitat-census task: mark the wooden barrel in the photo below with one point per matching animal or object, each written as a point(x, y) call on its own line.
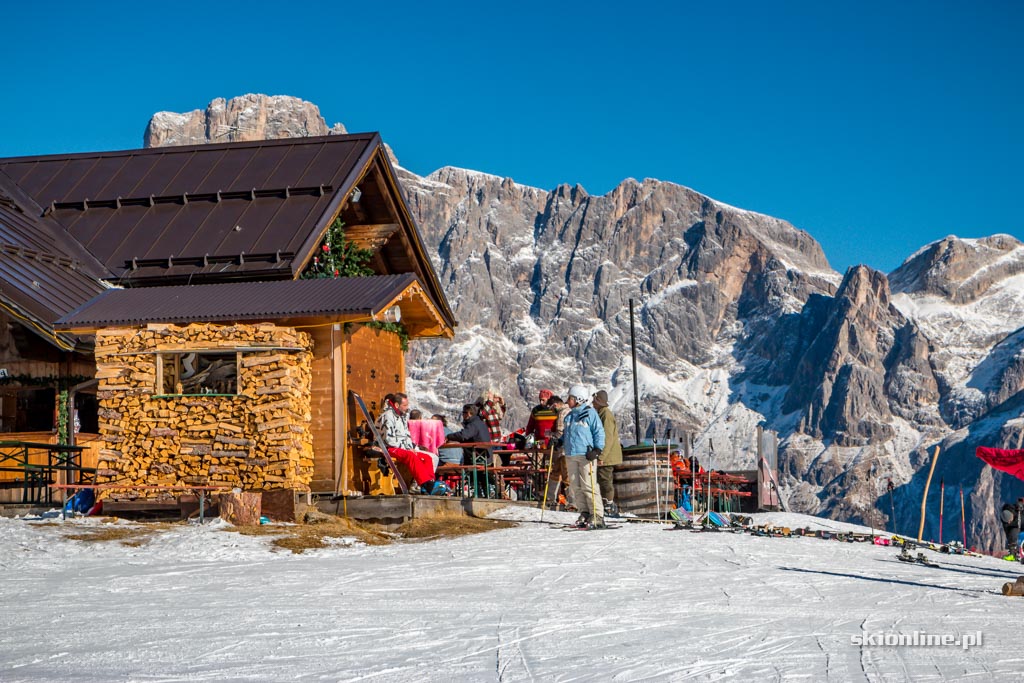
point(636, 489)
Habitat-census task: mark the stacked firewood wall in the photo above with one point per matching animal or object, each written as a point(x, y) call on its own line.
point(258, 439)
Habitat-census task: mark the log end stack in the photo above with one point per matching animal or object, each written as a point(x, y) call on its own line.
point(258, 439)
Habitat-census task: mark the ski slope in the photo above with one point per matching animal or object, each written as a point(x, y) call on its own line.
point(200, 603)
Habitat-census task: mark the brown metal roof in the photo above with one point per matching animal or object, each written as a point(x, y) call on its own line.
point(241, 210)
point(43, 273)
point(240, 301)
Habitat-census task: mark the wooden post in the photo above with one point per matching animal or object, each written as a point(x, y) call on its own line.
point(924, 499)
point(1014, 587)
point(240, 509)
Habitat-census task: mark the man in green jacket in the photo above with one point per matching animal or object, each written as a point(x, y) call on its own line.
point(610, 456)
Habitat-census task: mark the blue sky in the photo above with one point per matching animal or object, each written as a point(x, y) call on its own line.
point(876, 126)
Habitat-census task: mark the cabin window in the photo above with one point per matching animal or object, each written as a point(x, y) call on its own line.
point(198, 372)
point(27, 410)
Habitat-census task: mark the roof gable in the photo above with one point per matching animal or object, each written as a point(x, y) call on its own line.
point(236, 211)
point(240, 210)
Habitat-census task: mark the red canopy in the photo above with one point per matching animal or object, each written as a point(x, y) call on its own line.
point(1009, 461)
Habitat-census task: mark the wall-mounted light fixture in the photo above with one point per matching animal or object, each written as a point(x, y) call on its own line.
point(356, 194)
point(393, 314)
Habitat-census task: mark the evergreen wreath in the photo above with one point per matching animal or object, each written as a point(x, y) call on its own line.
point(338, 257)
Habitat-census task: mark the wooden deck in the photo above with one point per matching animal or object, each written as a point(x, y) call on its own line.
point(392, 511)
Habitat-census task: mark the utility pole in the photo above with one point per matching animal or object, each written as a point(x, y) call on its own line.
point(636, 389)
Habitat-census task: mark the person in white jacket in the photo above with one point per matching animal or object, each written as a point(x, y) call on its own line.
point(582, 442)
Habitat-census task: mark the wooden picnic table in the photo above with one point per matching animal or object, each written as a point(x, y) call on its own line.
point(39, 470)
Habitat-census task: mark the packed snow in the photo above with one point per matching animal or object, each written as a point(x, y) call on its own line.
point(199, 602)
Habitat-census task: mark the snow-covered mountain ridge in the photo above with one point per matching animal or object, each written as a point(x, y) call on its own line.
point(740, 320)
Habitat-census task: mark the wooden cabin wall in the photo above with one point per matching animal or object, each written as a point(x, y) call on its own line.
point(23, 352)
point(374, 366)
point(258, 439)
point(323, 406)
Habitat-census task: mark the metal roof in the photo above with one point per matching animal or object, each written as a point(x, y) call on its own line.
point(240, 301)
point(43, 274)
point(243, 210)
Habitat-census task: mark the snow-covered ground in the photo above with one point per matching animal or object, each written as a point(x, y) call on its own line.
point(530, 603)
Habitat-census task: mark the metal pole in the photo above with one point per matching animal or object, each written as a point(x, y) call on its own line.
point(711, 462)
point(942, 504)
point(657, 487)
point(693, 476)
point(636, 389)
point(963, 517)
point(668, 470)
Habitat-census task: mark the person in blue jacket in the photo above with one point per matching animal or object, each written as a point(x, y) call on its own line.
point(582, 441)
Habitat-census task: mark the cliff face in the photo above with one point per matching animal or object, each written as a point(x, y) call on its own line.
point(740, 321)
point(248, 117)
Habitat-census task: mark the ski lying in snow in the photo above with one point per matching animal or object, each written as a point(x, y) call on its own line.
point(919, 559)
point(573, 527)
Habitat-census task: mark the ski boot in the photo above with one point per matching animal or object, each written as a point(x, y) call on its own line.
point(440, 489)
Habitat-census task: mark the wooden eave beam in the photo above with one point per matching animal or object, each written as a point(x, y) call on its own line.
point(402, 214)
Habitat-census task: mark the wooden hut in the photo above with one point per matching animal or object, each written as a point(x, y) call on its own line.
point(216, 361)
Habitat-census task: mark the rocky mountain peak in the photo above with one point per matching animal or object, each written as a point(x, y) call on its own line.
point(959, 270)
point(740, 321)
point(247, 117)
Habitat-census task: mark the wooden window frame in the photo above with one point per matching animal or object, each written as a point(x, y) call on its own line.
point(163, 354)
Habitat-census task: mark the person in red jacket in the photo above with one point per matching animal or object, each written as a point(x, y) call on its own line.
point(542, 419)
point(394, 429)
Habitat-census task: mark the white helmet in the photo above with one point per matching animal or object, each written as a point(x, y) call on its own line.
point(580, 393)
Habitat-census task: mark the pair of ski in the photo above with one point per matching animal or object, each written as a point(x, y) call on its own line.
point(573, 527)
point(905, 556)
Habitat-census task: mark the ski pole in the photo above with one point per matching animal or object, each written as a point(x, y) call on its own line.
point(547, 483)
point(942, 502)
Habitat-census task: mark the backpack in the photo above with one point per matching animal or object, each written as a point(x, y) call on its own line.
point(1009, 515)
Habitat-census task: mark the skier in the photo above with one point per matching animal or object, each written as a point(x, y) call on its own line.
point(611, 455)
point(582, 442)
point(1010, 517)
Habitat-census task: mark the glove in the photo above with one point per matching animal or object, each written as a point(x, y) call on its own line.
point(383, 465)
point(593, 453)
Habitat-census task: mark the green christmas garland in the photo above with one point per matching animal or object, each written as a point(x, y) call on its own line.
point(394, 328)
point(338, 257)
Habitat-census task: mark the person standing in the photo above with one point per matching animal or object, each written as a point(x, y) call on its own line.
point(492, 409)
point(1010, 517)
point(611, 454)
point(542, 419)
point(582, 443)
point(558, 479)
